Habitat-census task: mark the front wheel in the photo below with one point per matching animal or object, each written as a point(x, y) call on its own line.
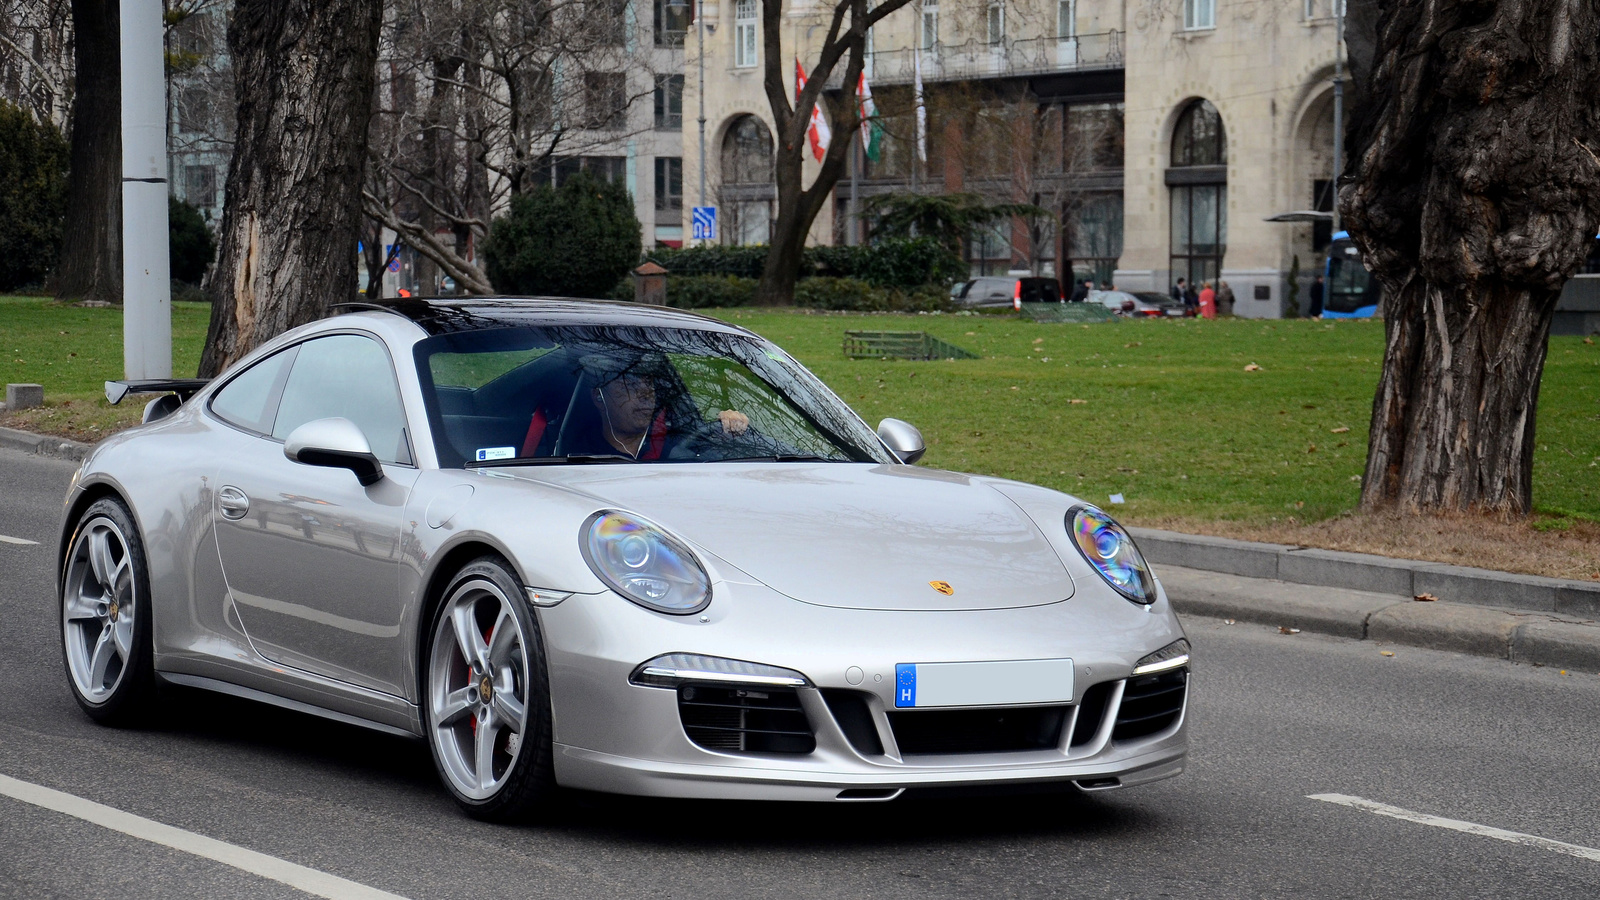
point(487, 696)
point(105, 616)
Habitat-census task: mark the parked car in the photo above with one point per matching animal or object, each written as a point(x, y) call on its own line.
point(609, 547)
point(1006, 290)
point(1140, 303)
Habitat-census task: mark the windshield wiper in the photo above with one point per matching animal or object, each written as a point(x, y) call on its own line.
point(783, 458)
point(576, 459)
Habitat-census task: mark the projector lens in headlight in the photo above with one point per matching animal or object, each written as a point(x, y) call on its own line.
point(642, 562)
point(1107, 547)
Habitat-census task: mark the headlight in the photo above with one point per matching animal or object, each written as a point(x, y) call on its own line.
point(1173, 656)
point(644, 563)
point(1107, 547)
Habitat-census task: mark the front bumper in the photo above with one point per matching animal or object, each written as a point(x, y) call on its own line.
point(617, 737)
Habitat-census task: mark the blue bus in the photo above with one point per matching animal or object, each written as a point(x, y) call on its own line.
point(1351, 291)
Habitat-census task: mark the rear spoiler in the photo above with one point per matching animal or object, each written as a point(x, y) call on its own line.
point(183, 387)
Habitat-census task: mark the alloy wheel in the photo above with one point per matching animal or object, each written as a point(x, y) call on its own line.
point(99, 605)
point(478, 688)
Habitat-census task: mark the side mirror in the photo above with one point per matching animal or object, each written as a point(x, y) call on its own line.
point(336, 443)
point(903, 438)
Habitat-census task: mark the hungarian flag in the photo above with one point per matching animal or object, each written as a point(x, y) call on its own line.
point(818, 133)
point(871, 130)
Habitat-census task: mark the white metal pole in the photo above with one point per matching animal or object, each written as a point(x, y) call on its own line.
point(700, 24)
point(1338, 107)
point(146, 277)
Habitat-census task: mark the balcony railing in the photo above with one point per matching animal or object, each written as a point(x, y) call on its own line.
point(977, 59)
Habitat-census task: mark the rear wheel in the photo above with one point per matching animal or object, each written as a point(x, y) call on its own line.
point(487, 698)
point(105, 615)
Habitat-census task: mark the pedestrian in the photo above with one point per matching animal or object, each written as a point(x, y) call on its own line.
point(1191, 299)
point(1208, 301)
point(1080, 292)
point(1224, 299)
point(1180, 293)
point(1317, 287)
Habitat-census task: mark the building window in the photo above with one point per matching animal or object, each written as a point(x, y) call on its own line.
point(605, 99)
point(200, 185)
point(745, 196)
point(1094, 237)
point(613, 169)
point(996, 20)
point(1066, 18)
point(669, 182)
point(744, 34)
point(669, 102)
point(1324, 9)
point(1198, 181)
point(1199, 14)
point(612, 28)
point(672, 22)
point(1092, 137)
point(930, 26)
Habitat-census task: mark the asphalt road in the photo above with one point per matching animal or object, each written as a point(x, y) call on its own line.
point(1275, 719)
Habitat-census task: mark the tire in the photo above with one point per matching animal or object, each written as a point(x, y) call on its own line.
point(106, 616)
point(486, 696)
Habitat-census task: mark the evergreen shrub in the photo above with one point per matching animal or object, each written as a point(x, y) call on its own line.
point(577, 240)
point(34, 159)
point(191, 244)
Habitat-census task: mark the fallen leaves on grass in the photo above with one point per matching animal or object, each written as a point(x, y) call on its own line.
point(1342, 429)
point(1252, 368)
point(1426, 598)
point(1075, 401)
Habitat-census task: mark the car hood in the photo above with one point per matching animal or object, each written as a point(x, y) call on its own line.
point(856, 536)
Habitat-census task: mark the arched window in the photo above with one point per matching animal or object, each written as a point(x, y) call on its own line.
point(747, 191)
point(1198, 179)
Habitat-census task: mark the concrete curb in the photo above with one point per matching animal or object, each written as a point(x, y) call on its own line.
point(1511, 634)
point(1375, 574)
point(43, 444)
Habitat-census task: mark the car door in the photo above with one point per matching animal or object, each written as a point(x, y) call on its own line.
point(311, 557)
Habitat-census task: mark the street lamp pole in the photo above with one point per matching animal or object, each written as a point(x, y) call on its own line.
point(146, 278)
point(1338, 107)
point(700, 27)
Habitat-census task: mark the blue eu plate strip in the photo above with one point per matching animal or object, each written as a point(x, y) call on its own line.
point(905, 684)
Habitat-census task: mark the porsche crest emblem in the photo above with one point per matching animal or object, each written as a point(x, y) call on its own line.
point(942, 587)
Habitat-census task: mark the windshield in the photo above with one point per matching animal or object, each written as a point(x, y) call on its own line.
point(1350, 286)
point(591, 393)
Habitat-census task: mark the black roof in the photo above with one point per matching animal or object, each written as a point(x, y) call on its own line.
point(446, 315)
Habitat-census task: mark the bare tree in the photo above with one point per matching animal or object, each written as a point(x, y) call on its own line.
point(798, 206)
point(304, 73)
point(1475, 195)
point(36, 57)
point(476, 101)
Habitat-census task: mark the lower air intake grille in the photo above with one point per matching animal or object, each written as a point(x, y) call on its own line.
point(1091, 712)
point(1151, 703)
point(978, 730)
point(754, 719)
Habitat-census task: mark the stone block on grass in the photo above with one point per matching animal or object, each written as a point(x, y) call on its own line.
point(24, 396)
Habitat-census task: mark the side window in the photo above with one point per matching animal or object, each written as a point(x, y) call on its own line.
point(348, 376)
point(246, 400)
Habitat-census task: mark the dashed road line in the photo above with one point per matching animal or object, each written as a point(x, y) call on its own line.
point(311, 881)
point(8, 539)
point(1499, 834)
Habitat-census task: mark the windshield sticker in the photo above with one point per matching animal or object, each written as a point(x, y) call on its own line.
point(487, 453)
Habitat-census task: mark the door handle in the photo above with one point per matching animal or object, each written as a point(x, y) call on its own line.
point(233, 502)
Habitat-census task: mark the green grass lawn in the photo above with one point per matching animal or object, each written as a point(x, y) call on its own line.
point(1162, 412)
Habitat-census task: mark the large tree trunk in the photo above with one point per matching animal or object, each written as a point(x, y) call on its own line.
point(303, 81)
point(1475, 195)
point(91, 246)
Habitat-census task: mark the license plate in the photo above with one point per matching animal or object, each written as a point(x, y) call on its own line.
point(1004, 683)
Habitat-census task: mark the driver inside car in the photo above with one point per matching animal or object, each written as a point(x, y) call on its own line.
point(633, 421)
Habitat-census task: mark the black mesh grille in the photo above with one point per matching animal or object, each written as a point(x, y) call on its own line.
point(977, 730)
point(854, 716)
point(1091, 712)
point(745, 719)
point(1150, 703)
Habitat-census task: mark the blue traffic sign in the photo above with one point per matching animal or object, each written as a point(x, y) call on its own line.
point(703, 223)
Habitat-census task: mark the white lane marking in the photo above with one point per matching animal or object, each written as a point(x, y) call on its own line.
point(8, 539)
point(1499, 834)
point(311, 881)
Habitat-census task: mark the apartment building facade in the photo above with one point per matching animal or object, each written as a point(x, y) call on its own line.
point(1162, 134)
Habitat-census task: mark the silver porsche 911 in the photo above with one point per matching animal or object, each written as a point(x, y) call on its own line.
point(609, 547)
